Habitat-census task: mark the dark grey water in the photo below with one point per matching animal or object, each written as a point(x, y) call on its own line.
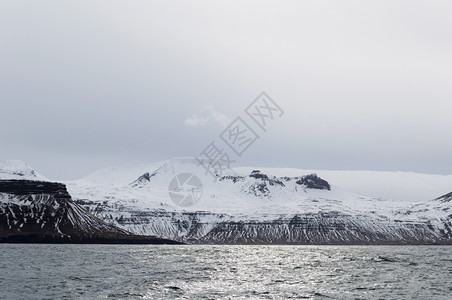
point(224, 272)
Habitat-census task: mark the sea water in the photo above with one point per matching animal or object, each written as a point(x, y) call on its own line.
point(30, 271)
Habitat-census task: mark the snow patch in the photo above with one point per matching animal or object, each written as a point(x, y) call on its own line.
point(17, 169)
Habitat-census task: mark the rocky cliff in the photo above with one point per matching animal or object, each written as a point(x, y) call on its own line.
point(43, 212)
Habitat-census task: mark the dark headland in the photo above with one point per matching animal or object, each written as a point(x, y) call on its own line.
point(43, 212)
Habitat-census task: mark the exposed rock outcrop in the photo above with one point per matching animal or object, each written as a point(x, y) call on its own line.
point(43, 212)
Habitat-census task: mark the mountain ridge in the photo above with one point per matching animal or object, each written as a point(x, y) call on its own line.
point(256, 207)
point(239, 205)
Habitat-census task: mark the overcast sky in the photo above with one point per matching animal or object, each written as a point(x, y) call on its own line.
point(90, 84)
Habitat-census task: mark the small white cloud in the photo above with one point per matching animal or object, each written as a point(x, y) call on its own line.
point(208, 115)
point(196, 121)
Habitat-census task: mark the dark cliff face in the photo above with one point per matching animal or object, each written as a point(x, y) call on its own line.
point(323, 229)
point(312, 181)
point(143, 179)
point(445, 198)
point(36, 211)
point(27, 187)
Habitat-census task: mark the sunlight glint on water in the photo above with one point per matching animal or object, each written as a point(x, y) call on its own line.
point(223, 272)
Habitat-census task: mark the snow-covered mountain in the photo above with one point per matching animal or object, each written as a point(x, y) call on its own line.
point(399, 186)
point(255, 206)
point(17, 169)
point(33, 209)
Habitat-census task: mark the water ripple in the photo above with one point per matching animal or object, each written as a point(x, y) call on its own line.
point(224, 272)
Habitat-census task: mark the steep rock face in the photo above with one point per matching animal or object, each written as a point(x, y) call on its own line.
point(37, 211)
point(325, 228)
point(146, 177)
point(179, 226)
point(312, 181)
point(446, 207)
point(437, 213)
point(445, 198)
point(27, 187)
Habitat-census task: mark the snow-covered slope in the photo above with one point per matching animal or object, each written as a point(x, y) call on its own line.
point(437, 212)
point(118, 175)
point(17, 169)
point(251, 206)
point(400, 186)
point(33, 209)
point(232, 193)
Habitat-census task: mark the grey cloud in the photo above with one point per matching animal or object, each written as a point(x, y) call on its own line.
point(365, 85)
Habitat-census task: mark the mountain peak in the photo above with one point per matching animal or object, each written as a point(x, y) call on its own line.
point(14, 163)
point(197, 166)
point(18, 169)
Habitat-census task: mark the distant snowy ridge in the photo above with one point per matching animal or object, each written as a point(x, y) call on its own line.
point(399, 186)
